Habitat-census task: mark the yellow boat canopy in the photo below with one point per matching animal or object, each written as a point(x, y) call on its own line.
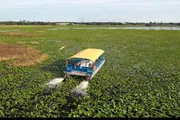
point(90, 53)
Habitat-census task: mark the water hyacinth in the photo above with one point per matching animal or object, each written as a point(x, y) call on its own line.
point(140, 77)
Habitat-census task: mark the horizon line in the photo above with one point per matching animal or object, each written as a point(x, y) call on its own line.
point(85, 21)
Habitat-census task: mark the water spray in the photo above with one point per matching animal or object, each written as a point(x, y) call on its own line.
point(81, 89)
point(55, 82)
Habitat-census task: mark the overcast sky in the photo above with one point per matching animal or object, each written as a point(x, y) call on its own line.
point(91, 10)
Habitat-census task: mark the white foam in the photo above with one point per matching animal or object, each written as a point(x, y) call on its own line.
point(55, 82)
point(81, 88)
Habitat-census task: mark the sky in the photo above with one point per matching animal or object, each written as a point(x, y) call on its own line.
point(90, 10)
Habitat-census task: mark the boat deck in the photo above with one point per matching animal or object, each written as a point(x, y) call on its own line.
point(78, 73)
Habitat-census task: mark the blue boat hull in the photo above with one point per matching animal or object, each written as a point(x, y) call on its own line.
point(88, 72)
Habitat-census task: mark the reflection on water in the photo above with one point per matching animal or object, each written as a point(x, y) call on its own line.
point(136, 28)
point(153, 28)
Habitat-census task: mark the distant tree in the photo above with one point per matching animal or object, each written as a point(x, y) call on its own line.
point(171, 23)
point(133, 23)
point(120, 23)
point(70, 23)
point(148, 24)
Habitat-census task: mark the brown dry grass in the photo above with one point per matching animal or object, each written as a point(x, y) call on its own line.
point(19, 34)
point(20, 56)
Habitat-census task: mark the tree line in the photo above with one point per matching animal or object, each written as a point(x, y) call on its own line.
point(24, 22)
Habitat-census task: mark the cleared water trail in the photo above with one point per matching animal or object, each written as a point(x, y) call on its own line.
point(81, 89)
point(56, 82)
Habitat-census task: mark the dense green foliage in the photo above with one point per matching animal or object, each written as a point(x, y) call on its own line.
point(140, 78)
